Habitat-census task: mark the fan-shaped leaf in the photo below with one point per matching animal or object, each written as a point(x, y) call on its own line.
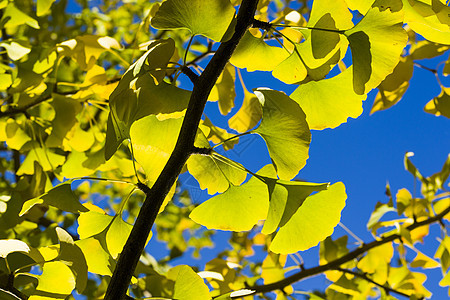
point(285, 131)
point(312, 222)
point(376, 43)
point(188, 285)
point(252, 53)
point(238, 209)
point(440, 106)
point(330, 102)
point(248, 115)
point(209, 18)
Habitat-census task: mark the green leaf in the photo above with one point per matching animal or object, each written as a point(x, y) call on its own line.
point(16, 49)
point(376, 43)
point(440, 106)
point(238, 209)
point(47, 159)
point(9, 246)
point(285, 131)
point(223, 91)
point(86, 49)
point(66, 110)
point(61, 196)
point(218, 135)
point(286, 197)
point(13, 17)
point(43, 7)
point(214, 172)
point(394, 86)
point(248, 115)
point(322, 49)
point(137, 97)
point(210, 18)
point(117, 235)
point(97, 258)
point(188, 285)
point(73, 257)
point(312, 222)
point(153, 142)
point(252, 53)
point(56, 278)
point(429, 18)
point(330, 102)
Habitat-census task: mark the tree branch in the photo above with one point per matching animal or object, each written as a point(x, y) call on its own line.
point(388, 289)
point(333, 265)
point(135, 244)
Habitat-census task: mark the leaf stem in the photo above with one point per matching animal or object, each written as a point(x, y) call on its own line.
point(232, 138)
point(310, 28)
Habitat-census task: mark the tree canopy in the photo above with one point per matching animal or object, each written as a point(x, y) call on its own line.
point(102, 118)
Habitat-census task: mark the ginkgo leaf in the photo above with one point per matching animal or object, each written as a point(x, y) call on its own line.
point(188, 285)
point(61, 196)
point(9, 246)
point(323, 46)
point(13, 17)
point(285, 131)
point(66, 110)
point(47, 159)
point(117, 235)
point(97, 259)
point(214, 172)
point(223, 91)
point(43, 7)
point(394, 86)
point(135, 98)
point(360, 5)
point(312, 222)
point(92, 223)
point(440, 106)
point(424, 261)
point(285, 199)
point(150, 150)
point(248, 115)
point(73, 256)
point(160, 53)
point(376, 43)
point(211, 18)
point(6, 295)
point(86, 49)
point(56, 278)
point(16, 49)
point(429, 18)
point(218, 135)
point(330, 102)
point(252, 53)
point(238, 209)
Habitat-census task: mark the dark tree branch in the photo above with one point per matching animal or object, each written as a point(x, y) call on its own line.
point(189, 73)
point(335, 264)
point(201, 151)
point(154, 198)
point(261, 24)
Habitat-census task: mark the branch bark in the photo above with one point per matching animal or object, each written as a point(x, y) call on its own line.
point(135, 244)
point(333, 265)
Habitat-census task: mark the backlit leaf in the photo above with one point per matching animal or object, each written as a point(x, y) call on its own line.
point(117, 235)
point(252, 53)
point(210, 18)
point(135, 98)
point(16, 50)
point(188, 285)
point(97, 259)
point(43, 6)
point(86, 49)
point(394, 86)
point(152, 151)
point(376, 43)
point(285, 131)
point(330, 102)
point(47, 159)
point(312, 222)
point(248, 115)
point(8, 246)
point(61, 196)
point(239, 208)
point(429, 18)
point(56, 278)
point(440, 106)
point(223, 91)
point(15, 17)
point(214, 172)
